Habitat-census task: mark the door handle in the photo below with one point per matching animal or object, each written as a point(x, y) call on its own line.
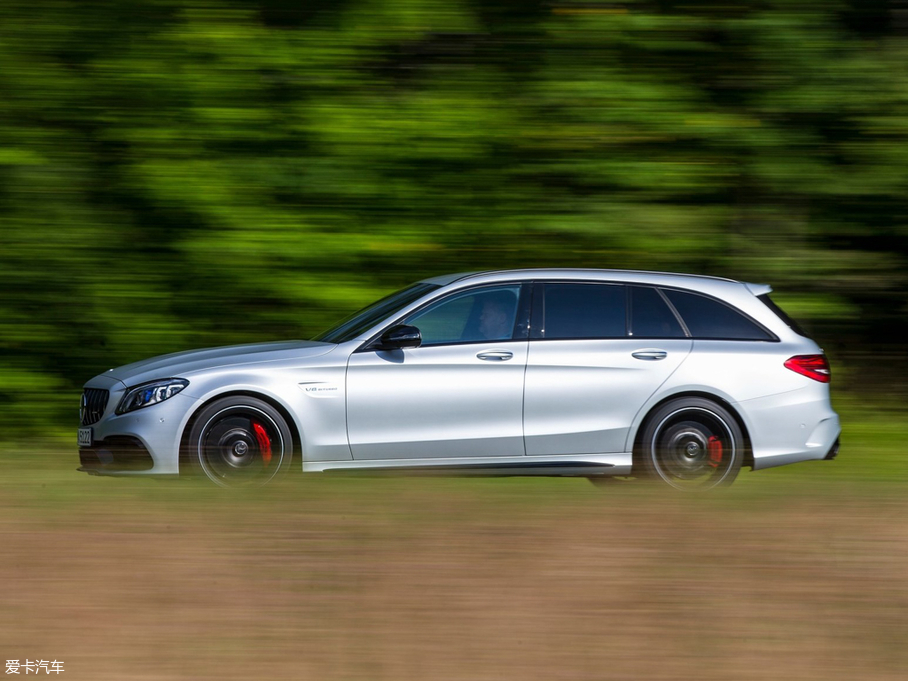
point(650, 354)
point(495, 356)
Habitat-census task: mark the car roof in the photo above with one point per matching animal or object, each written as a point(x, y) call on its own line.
point(694, 281)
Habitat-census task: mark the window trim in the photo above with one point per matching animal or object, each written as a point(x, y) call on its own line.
point(522, 317)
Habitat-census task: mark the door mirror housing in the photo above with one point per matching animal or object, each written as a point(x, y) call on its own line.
point(399, 337)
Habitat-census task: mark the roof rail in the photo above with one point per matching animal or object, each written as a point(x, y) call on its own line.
point(470, 275)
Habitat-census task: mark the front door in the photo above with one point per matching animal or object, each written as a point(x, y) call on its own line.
point(460, 394)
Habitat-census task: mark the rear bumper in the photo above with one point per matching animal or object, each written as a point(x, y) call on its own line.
point(833, 451)
point(791, 427)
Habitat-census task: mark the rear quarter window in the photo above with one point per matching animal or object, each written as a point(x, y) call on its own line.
point(711, 319)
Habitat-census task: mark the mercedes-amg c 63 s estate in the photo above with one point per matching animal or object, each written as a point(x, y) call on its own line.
point(681, 379)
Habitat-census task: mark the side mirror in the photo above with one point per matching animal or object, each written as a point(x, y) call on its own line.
point(399, 337)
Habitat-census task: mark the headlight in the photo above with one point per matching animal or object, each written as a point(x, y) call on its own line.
point(151, 393)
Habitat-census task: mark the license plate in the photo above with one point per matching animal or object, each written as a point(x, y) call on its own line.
point(85, 437)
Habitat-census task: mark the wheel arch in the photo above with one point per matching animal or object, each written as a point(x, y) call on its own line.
point(748, 448)
point(281, 409)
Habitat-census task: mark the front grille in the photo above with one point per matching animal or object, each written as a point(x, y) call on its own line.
point(94, 402)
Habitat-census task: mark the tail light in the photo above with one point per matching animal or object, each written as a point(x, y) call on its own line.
point(812, 366)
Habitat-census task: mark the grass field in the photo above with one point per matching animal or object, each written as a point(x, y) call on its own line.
point(794, 573)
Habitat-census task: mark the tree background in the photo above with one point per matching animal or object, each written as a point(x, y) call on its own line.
point(180, 173)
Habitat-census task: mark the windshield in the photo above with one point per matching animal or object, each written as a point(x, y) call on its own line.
point(780, 313)
point(361, 321)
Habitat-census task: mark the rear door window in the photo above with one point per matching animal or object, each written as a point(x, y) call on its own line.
point(710, 319)
point(651, 316)
point(579, 311)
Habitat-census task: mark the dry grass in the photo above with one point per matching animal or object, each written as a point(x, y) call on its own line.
point(452, 579)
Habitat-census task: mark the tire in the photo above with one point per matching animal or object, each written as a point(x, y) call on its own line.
point(239, 442)
point(691, 444)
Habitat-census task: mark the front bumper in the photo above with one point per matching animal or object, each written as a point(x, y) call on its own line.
point(115, 455)
point(141, 442)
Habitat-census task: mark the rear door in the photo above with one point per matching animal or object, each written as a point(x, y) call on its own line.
point(597, 352)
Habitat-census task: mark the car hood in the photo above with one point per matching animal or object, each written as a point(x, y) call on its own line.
point(181, 364)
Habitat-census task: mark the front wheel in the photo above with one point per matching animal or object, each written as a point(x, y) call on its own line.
point(240, 442)
point(691, 444)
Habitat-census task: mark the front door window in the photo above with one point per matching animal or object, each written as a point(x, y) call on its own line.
point(475, 316)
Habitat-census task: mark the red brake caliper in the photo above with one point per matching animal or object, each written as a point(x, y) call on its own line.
point(715, 451)
point(264, 441)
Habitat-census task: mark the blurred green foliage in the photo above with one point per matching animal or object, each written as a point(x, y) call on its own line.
point(183, 173)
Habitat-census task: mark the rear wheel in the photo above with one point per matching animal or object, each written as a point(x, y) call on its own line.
point(240, 442)
point(691, 444)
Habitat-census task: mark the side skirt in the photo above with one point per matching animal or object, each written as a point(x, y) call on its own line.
point(575, 466)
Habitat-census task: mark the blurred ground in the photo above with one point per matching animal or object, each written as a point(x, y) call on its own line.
point(796, 573)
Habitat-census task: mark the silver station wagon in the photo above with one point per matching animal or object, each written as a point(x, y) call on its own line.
point(676, 378)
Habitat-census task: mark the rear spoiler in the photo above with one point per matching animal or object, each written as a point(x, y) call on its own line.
point(758, 289)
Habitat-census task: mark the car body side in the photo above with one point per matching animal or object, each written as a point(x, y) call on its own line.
point(787, 417)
